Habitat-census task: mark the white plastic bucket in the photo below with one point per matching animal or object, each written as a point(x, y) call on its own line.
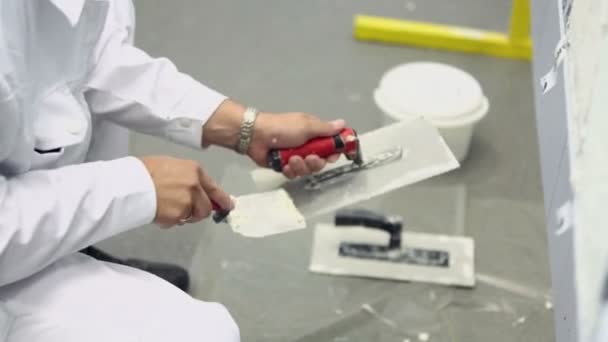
point(449, 98)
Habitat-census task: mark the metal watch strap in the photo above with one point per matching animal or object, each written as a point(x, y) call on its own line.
point(246, 132)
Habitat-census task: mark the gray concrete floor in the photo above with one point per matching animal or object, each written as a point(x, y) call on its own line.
point(300, 55)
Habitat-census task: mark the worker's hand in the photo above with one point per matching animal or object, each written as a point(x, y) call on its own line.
point(183, 191)
point(288, 130)
point(271, 131)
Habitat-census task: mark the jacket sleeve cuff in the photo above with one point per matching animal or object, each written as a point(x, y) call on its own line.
point(191, 114)
point(135, 193)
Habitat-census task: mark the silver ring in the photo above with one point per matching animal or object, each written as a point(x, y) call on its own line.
point(185, 220)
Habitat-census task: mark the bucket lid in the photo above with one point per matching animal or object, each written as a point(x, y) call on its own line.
point(435, 91)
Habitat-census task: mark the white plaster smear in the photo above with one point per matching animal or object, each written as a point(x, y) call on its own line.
point(586, 81)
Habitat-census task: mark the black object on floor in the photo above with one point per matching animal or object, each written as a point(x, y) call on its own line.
point(394, 251)
point(174, 274)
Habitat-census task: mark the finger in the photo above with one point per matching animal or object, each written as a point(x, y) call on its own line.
point(214, 192)
point(165, 225)
point(179, 213)
point(187, 213)
point(321, 128)
point(183, 209)
point(333, 158)
point(314, 163)
point(200, 205)
point(288, 172)
point(299, 166)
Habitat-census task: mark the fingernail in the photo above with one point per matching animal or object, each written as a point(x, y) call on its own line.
point(338, 123)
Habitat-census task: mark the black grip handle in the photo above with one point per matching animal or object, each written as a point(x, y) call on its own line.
point(393, 225)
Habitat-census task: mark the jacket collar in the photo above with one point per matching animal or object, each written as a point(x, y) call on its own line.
point(71, 9)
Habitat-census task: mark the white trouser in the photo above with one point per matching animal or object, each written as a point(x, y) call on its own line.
point(80, 299)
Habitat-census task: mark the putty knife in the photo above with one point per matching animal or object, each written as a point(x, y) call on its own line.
point(262, 214)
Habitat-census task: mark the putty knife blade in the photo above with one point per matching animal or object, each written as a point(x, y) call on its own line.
point(263, 214)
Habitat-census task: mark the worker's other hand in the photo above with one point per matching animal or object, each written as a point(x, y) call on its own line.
point(184, 191)
point(288, 130)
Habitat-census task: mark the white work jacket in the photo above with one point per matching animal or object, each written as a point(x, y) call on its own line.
point(70, 83)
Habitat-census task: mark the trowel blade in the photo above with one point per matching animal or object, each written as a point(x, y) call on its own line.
point(424, 155)
point(263, 214)
point(326, 259)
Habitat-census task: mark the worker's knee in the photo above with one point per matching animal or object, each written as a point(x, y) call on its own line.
point(210, 322)
point(226, 329)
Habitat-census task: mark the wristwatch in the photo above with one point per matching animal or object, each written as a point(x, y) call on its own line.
point(246, 132)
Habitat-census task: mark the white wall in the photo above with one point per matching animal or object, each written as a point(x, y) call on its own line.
point(573, 132)
point(587, 88)
point(555, 163)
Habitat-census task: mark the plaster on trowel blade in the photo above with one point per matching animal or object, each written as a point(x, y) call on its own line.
point(335, 175)
point(263, 214)
point(326, 256)
point(424, 155)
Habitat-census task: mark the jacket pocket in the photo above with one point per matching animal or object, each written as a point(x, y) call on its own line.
point(61, 121)
point(44, 159)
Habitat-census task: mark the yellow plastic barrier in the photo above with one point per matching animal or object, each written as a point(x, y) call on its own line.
point(517, 44)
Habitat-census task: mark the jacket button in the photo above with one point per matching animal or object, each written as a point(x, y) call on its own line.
point(74, 127)
point(185, 123)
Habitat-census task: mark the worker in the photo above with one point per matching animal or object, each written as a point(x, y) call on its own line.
point(71, 83)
